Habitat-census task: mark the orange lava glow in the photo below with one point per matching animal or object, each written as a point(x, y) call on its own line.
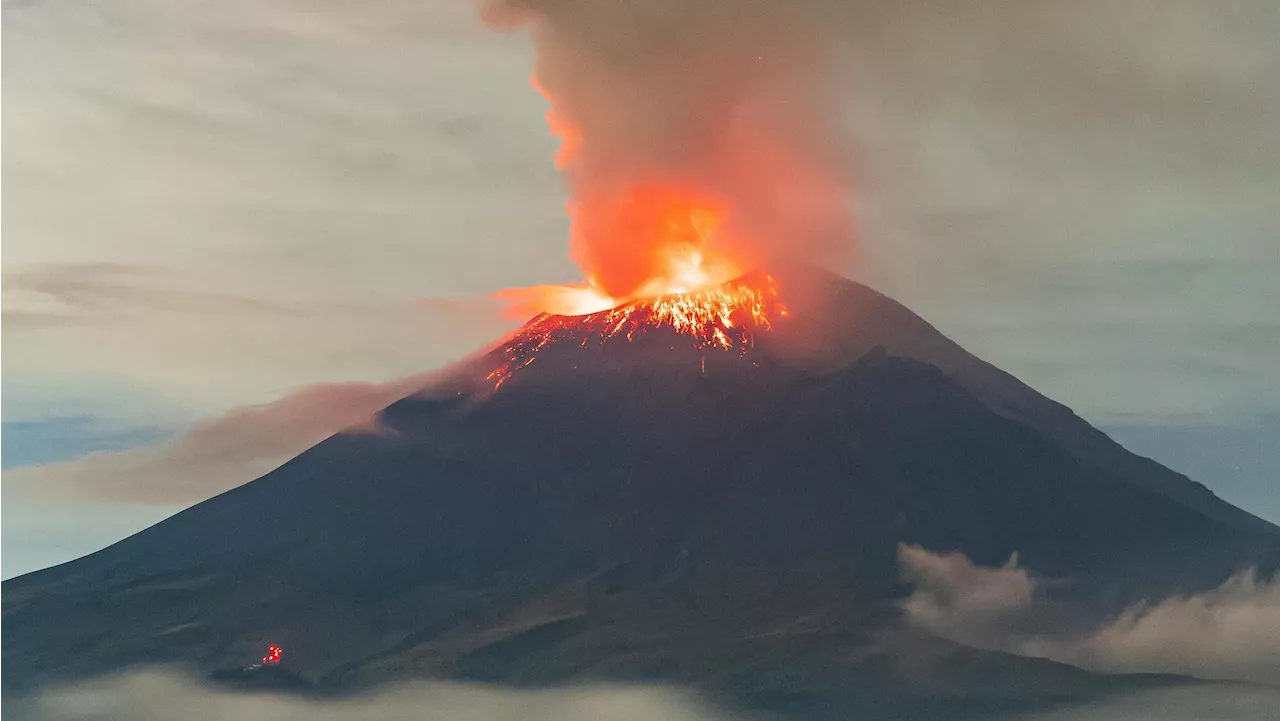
point(725, 317)
point(662, 243)
point(638, 239)
point(273, 656)
point(652, 240)
point(654, 254)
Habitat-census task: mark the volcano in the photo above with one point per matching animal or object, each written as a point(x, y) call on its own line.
point(713, 497)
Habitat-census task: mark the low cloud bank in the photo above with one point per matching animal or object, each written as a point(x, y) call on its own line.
point(163, 695)
point(1204, 703)
point(217, 454)
point(1231, 632)
point(158, 695)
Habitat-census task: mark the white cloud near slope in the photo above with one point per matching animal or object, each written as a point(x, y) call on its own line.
point(161, 695)
point(1231, 632)
point(218, 454)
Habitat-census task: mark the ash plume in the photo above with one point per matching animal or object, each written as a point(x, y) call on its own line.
point(657, 101)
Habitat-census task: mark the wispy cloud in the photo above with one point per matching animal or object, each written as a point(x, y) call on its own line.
point(59, 293)
point(217, 454)
point(1231, 632)
point(215, 205)
point(45, 440)
point(208, 349)
point(1076, 191)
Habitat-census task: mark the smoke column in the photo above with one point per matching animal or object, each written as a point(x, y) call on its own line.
point(689, 124)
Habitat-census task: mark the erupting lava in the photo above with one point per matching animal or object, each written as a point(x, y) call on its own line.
point(723, 317)
point(652, 241)
point(656, 253)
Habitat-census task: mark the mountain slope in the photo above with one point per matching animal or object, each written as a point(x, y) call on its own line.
point(643, 509)
point(846, 320)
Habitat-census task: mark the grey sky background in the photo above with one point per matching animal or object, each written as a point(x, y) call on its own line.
point(211, 206)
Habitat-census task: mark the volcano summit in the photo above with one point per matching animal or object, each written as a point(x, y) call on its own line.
point(725, 317)
point(706, 489)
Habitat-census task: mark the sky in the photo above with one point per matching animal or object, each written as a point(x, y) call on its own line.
point(230, 229)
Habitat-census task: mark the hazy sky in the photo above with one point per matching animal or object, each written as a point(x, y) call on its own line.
point(213, 205)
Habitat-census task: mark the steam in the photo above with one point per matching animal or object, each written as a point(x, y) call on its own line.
point(973, 605)
point(720, 106)
point(1231, 632)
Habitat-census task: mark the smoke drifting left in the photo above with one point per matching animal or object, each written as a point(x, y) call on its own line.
point(696, 139)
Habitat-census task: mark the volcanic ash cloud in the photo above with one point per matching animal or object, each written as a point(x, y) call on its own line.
point(693, 134)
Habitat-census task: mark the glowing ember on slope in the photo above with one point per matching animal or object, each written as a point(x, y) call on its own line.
point(273, 656)
point(725, 317)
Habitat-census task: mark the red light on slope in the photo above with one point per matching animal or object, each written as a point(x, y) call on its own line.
point(273, 656)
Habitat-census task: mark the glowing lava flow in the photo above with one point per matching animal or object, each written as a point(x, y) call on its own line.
point(723, 317)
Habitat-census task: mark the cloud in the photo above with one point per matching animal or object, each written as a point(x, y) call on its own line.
point(215, 205)
point(1016, 167)
point(1231, 632)
point(208, 349)
point(46, 440)
point(217, 454)
point(60, 293)
point(158, 694)
point(1200, 703)
point(660, 100)
point(970, 604)
point(1078, 191)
